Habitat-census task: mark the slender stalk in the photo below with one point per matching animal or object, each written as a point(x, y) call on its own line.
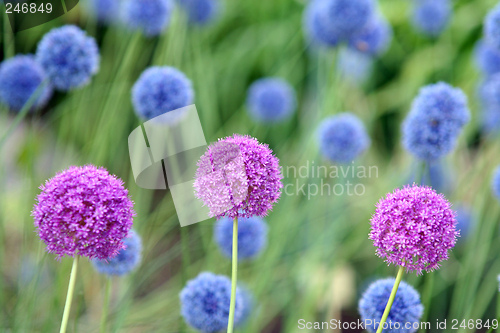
point(105, 305)
point(420, 176)
point(230, 323)
point(8, 38)
point(69, 296)
point(399, 277)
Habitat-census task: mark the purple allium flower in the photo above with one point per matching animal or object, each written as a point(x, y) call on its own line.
point(271, 100)
point(414, 227)
point(342, 138)
point(354, 65)
point(200, 12)
point(20, 76)
point(487, 58)
point(205, 303)
point(374, 38)
point(252, 236)
point(83, 211)
point(159, 90)
point(149, 16)
point(492, 27)
point(406, 309)
point(127, 259)
point(238, 177)
point(69, 57)
point(435, 120)
point(105, 10)
point(430, 17)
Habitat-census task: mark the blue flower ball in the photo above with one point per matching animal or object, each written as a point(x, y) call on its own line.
point(487, 58)
point(406, 309)
point(464, 220)
point(355, 66)
point(149, 16)
point(200, 12)
point(125, 261)
point(105, 10)
point(317, 24)
point(492, 27)
point(342, 138)
point(430, 17)
point(252, 236)
point(159, 90)
point(374, 38)
point(436, 118)
point(70, 57)
point(271, 100)
point(20, 77)
point(205, 303)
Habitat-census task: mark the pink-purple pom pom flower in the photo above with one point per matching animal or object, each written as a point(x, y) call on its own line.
point(83, 211)
point(238, 177)
point(414, 227)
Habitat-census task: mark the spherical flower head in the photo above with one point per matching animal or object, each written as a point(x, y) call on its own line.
point(205, 303)
point(317, 24)
point(436, 117)
point(149, 16)
point(374, 38)
point(414, 227)
point(355, 66)
point(252, 236)
point(406, 309)
point(159, 90)
point(104, 10)
point(430, 17)
point(342, 138)
point(464, 220)
point(487, 58)
point(238, 177)
point(271, 100)
point(83, 211)
point(127, 259)
point(200, 12)
point(496, 183)
point(20, 77)
point(492, 27)
point(70, 57)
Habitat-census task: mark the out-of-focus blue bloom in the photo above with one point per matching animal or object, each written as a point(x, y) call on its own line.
point(20, 76)
point(354, 66)
point(406, 308)
point(105, 10)
point(496, 183)
point(252, 236)
point(465, 220)
point(149, 16)
point(125, 261)
point(271, 100)
point(487, 92)
point(492, 27)
point(159, 90)
point(487, 58)
point(200, 12)
point(374, 38)
point(205, 303)
point(430, 17)
point(69, 57)
point(435, 120)
point(329, 21)
point(342, 138)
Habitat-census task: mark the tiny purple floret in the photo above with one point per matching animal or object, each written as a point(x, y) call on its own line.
point(414, 227)
point(83, 211)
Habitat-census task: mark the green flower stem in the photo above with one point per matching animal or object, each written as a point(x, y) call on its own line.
point(8, 38)
point(230, 323)
point(105, 305)
point(399, 277)
point(69, 296)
